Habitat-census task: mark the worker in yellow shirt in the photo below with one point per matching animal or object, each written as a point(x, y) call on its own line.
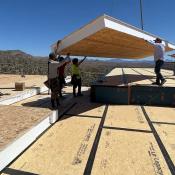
point(76, 77)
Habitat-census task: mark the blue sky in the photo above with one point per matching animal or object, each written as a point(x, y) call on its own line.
point(33, 25)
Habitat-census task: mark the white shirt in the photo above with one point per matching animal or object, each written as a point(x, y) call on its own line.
point(53, 67)
point(159, 51)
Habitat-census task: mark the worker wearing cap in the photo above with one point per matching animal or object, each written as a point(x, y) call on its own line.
point(53, 75)
point(159, 52)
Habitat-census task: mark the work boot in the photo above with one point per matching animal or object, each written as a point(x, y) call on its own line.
point(79, 94)
point(155, 83)
point(162, 82)
point(74, 95)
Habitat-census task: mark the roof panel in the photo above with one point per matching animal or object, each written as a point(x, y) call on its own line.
point(108, 37)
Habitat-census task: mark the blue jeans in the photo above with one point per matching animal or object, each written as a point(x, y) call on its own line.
point(158, 66)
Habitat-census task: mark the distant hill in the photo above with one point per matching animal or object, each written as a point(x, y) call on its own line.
point(19, 62)
point(11, 55)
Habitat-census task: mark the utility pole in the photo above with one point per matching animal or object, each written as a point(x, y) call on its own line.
point(141, 14)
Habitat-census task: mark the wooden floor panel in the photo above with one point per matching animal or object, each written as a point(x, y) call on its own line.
point(129, 117)
point(166, 133)
point(161, 114)
point(63, 149)
point(132, 153)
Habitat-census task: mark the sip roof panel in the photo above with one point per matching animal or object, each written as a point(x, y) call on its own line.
point(108, 37)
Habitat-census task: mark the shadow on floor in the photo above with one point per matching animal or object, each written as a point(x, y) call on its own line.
point(119, 80)
point(11, 171)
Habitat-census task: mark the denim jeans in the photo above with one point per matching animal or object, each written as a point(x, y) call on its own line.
point(158, 66)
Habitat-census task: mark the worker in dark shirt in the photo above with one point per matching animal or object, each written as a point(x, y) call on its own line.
point(61, 73)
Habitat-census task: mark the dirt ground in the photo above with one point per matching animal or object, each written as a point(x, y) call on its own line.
point(16, 120)
point(7, 84)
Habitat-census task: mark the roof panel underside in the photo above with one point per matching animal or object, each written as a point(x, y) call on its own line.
point(112, 44)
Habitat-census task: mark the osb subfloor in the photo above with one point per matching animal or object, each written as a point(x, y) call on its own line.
point(7, 84)
point(100, 139)
point(130, 153)
point(136, 76)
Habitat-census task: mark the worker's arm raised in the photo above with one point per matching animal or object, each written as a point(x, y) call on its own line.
point(82, 60)
point(57, 46)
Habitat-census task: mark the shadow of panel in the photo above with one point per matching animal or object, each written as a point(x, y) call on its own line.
point(41, 103)
point(11, 171)
point(137, 78)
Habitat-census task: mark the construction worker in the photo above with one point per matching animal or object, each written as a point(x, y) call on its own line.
point(53, 75)
point(61, 70)
point(76, 77)
point(159, 51)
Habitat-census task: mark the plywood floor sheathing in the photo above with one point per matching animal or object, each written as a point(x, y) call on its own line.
point(64, 149)
point(136, 76)
point(129, 117)
point(130, 153)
